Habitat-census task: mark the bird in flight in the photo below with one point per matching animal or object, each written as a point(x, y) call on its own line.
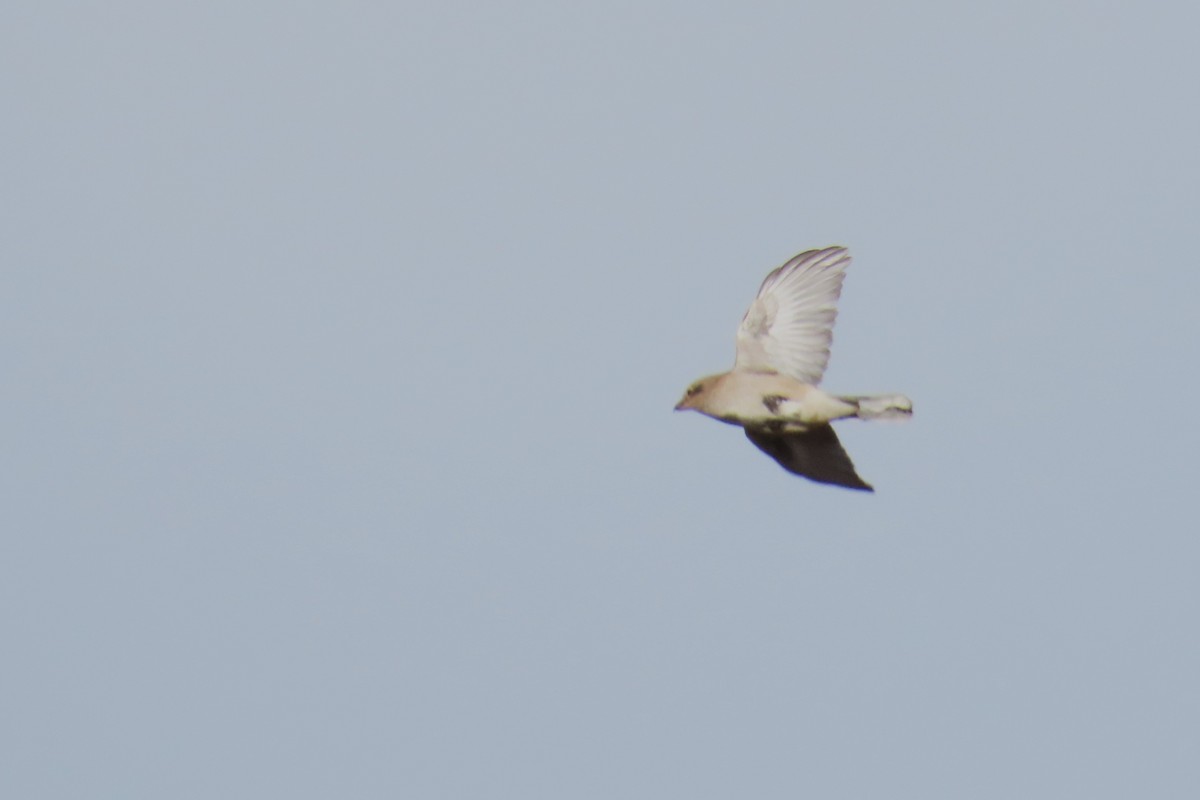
point(782, 349)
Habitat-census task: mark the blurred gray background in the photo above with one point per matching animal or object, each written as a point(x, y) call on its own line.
point(339, 345)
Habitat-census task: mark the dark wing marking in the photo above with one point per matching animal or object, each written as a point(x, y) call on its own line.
point(815, 454)
point(773, 402)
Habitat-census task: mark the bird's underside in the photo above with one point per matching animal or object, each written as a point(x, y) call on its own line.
point(814, 453)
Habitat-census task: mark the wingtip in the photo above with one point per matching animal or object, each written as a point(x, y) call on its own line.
point(860, 486)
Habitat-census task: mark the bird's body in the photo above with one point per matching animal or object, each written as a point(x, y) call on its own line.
point(782, 349)
point(769, 400)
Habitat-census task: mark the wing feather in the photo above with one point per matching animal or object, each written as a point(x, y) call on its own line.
point(789, 326)
point(815, 454)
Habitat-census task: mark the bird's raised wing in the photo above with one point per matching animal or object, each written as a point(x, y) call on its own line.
point(789, 326)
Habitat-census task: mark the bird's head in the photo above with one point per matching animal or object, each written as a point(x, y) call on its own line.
point(695, 393)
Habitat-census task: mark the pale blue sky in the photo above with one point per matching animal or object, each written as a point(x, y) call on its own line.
point(339, 348)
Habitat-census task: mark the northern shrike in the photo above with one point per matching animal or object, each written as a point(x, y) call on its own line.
point(782, 350)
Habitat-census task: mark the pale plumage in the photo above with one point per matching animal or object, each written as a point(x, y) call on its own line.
point(789, 325)
point(782, 351)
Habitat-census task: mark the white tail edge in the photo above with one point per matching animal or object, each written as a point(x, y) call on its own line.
point(883, 406)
